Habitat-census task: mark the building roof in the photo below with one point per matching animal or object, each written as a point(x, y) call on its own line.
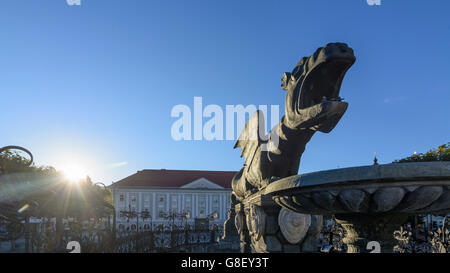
point(174, 178)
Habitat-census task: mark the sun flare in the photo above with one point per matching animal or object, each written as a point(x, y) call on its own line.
point(74, 173)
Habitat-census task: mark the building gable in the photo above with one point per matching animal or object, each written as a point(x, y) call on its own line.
point(202, 183)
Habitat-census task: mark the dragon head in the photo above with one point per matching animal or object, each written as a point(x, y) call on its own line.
point(312, 99)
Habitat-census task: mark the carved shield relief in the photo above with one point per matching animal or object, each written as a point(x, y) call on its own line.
point(293, 225)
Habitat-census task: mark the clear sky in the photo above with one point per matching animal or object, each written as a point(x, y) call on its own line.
point(95, 84)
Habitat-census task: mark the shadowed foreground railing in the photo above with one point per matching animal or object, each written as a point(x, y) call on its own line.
point(166, 239)
point(410, 239)
point(42, 239)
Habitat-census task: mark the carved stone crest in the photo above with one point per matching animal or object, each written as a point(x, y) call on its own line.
point(293, 225)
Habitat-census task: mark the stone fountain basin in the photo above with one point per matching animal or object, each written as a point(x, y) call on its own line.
point(409, 188)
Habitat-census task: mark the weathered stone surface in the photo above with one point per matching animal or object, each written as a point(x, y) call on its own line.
point(411, 188)
point(385, 199)
point(420, 198)
point(239, 222)
point(354, 200)
point(256, 221)
point(309, 244)
point(326, 200)
point(266, 244)
point(372, 196)
point(281, 238)
point(370, 190)
point(316, 225)
point(386, 172)
point(293, 226)
point(273, 245)
point(442, 203)
point(306, 203)
point(271, 225)
point(291, 248)
point(287, 202)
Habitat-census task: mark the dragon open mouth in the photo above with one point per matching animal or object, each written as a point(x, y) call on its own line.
point(323, 82)
point(313, 86)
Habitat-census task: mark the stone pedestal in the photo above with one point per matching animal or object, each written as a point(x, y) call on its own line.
point(266, 227)
point(364, 228)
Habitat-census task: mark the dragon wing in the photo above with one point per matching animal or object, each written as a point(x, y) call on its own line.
point(250, 138)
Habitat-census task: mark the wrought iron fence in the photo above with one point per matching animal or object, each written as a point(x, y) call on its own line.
point(93, 238)
point(410, 239)
point(423, 241)
point(330, 239)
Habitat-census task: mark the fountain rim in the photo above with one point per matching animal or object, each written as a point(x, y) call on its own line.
point(437, 171)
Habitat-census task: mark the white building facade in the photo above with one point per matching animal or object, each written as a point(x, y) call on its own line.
point(171, 196)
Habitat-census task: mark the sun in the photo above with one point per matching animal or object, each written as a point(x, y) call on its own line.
point(74, 173)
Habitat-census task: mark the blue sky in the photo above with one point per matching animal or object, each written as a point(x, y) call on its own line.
point(95, 83)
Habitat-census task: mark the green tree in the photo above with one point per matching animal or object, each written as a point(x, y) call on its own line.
point(441, 153)
point(43, 191)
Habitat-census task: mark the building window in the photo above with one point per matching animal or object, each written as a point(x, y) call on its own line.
point(215, 206)
point(133, 199)
point(188, 202)
point(161, 213)
point(121, 198)
point(161, 205)
point(202, 206)
point(215, 201)
point(147, 203)
point(174, 202)
point(161, 200)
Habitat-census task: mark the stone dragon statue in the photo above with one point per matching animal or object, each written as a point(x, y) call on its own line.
point(312, 104)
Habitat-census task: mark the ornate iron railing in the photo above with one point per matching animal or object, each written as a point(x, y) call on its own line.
point(330, 239)
point(94, 238)
point(423, 241)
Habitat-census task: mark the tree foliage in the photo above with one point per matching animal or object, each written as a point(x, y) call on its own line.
point(45, 192)
point(13, 162)
point(441, 153)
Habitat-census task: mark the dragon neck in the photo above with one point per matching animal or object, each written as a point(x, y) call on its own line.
point(289, 144)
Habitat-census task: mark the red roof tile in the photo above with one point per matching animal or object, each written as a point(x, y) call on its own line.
point(174, 178)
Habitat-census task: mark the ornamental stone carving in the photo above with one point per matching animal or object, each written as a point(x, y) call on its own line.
point(256, 221)
point(294, 226)
point(239, 222)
